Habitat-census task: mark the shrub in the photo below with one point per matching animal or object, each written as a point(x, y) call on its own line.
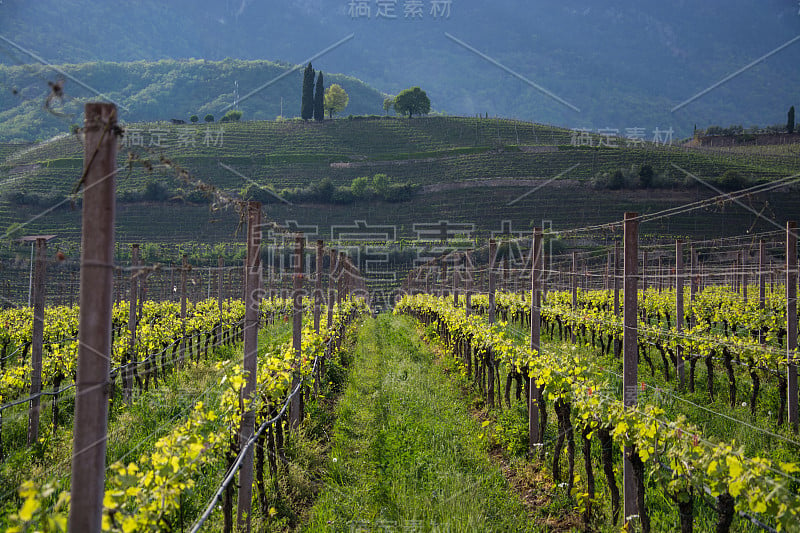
point(732, 180)
point(361, 187)
point(155, 192)
point(343, 196)
point(646, 175)
point(400, 192)
point(616, 181)
point(255, 193)
point(234, 115)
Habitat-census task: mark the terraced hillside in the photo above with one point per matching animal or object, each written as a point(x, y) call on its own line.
point(467, 170)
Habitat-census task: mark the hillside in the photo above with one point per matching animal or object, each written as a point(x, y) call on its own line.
point(463, 170)
point(161, 90)
point(623, 64)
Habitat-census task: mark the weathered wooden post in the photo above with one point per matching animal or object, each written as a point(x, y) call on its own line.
point(131, 360)
point(491, 358)
point(468, 288)
point(318, 287)
point(295, 407)
point(184, 272)
point(331, 291)
point(96, 300)
point(492, 254)
point(37, 339)
point(220, 278)
point(617, 343)
point(534, 394)
point(762, 274)
point(443, 283)
point(679, 313)
point(791, 321)
point(250, 334)
point(456, 274)
point(630, 349)
point(574, 281)
point(695, 283)
point(744, 276)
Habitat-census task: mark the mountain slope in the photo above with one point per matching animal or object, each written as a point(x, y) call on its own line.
point(623, 64)
point(486, 173)
point(161, 90)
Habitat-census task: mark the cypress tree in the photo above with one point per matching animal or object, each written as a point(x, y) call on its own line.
point(319, 99)
point(790, 121)
point(307, 102)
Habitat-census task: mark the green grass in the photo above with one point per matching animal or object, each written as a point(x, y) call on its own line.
point(406, 451)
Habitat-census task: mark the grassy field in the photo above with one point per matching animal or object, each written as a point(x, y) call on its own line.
point(406, 452)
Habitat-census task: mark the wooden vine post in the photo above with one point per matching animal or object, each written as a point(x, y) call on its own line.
point(250, 333)
point(644, 274)
point(468, 282)
point(574, 283)
point(184, 273)
point(318, 286)
point(133, 297)
point(456, 274)
point(96, 301)
point(791, 321)
point(220, 274)
point(341, 282)
point(296, 405)
point(331, 291)
point(443, 282)
point(490, 358)
point(37, 339)
point(534, 392)
point(617, 344)
point(492, 254)
point(762, 274)
point(679, 312)
point(695, 283)
point(745, 277)
point(427, 280)
point(630, 350)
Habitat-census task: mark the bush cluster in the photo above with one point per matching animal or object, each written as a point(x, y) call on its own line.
point(645, 177)
point(380, 187)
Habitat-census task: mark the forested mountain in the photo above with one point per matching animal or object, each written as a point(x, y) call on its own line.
point(622, 63)
point(161, 90)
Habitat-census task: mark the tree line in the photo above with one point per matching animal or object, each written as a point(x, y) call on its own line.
point(316, 100)
point(378, 188)
point(736, 129)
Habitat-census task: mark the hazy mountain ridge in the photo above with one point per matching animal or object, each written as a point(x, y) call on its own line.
point(161, 90)
point(622, 63)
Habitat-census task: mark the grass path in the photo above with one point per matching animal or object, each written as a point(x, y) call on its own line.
point(407, 455)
